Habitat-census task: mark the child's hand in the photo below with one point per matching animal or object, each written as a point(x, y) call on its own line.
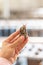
point(12, 45)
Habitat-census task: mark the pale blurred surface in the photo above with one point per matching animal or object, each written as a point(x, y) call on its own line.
point(21, 9)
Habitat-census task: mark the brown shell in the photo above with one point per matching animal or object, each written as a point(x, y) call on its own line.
point(23, 31)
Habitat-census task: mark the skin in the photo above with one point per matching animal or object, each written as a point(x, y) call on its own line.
point(12, 46)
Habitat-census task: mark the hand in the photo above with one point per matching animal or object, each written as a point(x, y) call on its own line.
point(12, 46)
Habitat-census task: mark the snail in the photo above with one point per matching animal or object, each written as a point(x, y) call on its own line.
point(23, 31)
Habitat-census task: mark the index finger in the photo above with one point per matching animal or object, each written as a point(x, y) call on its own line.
point(20, 46)
point(12, 36)
point(18, 41)
point(23, 44)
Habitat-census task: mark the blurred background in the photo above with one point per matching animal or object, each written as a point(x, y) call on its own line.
point(15, 13)
point(22, 9)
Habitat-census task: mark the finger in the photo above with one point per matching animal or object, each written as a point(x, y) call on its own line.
point(15, 38)
point(12, 36)
point(17, 50)
point(18, 41)
point(21, 46)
